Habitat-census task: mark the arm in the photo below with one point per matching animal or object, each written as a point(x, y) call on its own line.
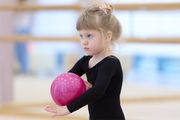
point(105, 73)
point(63, 110)
point(77, 68)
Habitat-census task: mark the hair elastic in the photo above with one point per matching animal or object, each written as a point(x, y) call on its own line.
point(103, 9)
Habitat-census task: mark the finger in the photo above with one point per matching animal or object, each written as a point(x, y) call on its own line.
point(54, 115)
point(48, 107)
point(51, 109)
point(87, 88)
point(88, 84)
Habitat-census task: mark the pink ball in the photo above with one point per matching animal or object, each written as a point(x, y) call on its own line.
point(66, 87)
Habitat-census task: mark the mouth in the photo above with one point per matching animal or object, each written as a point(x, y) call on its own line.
point(85, 48)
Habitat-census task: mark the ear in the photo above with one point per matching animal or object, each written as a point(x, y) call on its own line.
point(109, 35)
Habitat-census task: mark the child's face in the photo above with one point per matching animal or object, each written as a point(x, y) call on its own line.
point(91, 41)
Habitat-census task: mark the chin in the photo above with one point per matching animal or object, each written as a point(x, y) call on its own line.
point(89, 54)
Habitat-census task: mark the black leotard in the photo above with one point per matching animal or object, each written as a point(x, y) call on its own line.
point(103, 98)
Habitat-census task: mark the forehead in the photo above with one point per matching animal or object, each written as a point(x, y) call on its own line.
point(88, 32)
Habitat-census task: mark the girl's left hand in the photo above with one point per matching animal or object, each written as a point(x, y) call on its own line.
point(57, 110)
point(88, 85)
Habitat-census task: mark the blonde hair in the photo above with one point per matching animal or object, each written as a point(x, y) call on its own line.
point(95, 18)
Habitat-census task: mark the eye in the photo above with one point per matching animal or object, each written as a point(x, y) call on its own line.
point(89, 35)
point(81, 36)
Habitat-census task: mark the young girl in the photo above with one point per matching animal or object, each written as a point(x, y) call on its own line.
point(98, 29)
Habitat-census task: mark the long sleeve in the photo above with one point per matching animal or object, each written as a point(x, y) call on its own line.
point(78, 68)
point(106, 70)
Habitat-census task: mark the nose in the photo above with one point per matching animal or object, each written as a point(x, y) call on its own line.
point(84, 42)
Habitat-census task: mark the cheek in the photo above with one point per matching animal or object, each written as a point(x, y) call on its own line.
point(81, 43)
point(98, 46)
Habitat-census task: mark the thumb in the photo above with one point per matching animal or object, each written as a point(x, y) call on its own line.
point(55, 114)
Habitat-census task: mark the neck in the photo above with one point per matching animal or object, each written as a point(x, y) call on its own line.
point(103, 54)
point(100, 56)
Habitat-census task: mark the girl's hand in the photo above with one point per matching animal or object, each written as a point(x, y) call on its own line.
point(57, 110)
point(88, 85)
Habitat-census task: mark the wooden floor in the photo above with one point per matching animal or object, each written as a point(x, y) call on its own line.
point(31, 95)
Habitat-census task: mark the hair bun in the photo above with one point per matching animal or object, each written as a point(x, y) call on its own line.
point(108, 7)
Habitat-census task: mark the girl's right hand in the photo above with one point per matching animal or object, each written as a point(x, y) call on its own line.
point(88, 85)
point(57, 110)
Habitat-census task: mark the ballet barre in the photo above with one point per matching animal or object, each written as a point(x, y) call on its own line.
point(145, 6)
point(20, 38)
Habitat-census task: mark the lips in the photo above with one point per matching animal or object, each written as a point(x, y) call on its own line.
point(85, 48)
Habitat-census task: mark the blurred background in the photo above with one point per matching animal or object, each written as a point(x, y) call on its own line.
point(38, 41)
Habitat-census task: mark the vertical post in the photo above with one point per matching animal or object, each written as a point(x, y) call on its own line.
point(6, 55)
point(6, 83)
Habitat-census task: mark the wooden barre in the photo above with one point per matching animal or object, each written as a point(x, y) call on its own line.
point(40, 7)
point(151, 6)
point(35, 38)
point(76, 39)
point(154, 40)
